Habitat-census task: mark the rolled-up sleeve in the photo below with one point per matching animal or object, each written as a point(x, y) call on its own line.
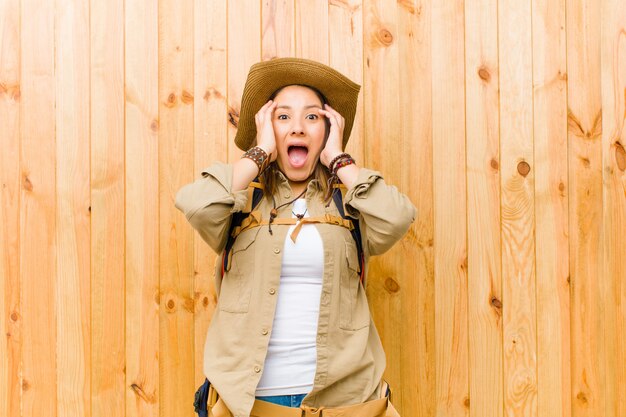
point(384, 212)
point(209, 202)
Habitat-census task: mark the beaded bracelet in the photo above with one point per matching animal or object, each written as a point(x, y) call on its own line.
point(335, 159)
point(259, 156)
point(342, 163)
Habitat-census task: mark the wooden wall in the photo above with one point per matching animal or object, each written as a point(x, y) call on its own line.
point(502, 120)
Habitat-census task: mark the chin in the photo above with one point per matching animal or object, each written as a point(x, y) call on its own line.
point(299, 175)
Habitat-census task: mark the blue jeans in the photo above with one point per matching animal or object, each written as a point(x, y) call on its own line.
point(291, 400)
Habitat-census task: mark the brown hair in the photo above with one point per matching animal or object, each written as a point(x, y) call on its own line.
point(270, 176)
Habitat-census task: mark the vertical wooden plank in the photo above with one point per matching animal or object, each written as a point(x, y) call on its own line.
point(72, 83)
point(176, 52)
point(10, 323)
point(551, 202)
point(210, 134)
point(143, 393)
point(311, 27)
point(386, 149)
point(517, 208)
point(483, 209)
point(244, 50)
point(108, 369)
point(585, 207)
point(37, 313)
point(613, 284)
point(411, 342)
point(345, 33)
point(277, 29)
point(381, 116)
point(448, 106)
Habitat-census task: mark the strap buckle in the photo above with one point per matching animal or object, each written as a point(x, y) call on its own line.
point(311, 411)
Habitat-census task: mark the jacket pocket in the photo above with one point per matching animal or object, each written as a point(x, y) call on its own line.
point(236, 285)
point(354, 313)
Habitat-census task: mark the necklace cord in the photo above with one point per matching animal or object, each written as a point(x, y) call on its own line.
point(274, 211)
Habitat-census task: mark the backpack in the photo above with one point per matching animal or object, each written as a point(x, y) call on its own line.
point(255, 194)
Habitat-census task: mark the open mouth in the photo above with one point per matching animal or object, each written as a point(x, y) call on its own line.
point(297, 155)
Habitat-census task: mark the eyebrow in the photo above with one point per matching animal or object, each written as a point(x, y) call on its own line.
point(284, 106)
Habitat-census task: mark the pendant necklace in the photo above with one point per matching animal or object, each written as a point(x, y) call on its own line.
point(274, 211)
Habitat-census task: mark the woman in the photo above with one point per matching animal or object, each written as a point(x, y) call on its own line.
point(292, 329)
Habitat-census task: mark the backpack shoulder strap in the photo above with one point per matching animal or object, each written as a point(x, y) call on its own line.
point(255, 194)
point(338, 196)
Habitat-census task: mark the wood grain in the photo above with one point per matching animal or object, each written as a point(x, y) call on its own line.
point(613, 286)
point(503, 121)
point(345, 28)
point(485, 325)
point(584, 101)
point(175, 156)
point(38, 252)
point(278, 29)
point(143, 393)
point(10, 194)
point(311, 30)
point(244, 50)
point(209, 144)
point(450, 207)
point(517, 182)
point(73, 189)
point(551, 208)
point(108, 206)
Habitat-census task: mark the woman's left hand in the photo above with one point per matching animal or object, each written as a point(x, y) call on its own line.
point(335, 138)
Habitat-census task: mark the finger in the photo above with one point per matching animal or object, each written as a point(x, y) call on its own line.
point(259, 114)
point(338, 115)
point(269, 102)
point(331, 116)
point(270, 108)
point(266, 112)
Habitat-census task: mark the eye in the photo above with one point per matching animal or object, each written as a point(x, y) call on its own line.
point(281, 115)
point(314, 115)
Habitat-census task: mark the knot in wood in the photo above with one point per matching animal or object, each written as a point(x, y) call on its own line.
point(385, 37)
point(484, 74)
point(171, 100)
point(187, 97)
point(391, 285)
point(27, 185)
point(523, 168)
point(620, 156)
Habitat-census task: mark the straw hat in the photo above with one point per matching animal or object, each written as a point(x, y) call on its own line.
point(268, 76)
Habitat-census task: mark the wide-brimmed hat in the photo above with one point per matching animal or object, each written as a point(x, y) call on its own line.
point(268, 76)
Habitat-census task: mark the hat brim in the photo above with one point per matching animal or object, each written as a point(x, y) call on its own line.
point(268, 76)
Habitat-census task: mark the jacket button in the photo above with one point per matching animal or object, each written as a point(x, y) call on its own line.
point(287, 195)
point(272, 291)
point(264, 331)
point(276, 250)
point(257, 369)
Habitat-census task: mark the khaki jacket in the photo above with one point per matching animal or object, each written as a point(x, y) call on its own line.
point(350, 356)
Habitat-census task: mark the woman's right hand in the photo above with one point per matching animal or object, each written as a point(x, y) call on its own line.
point(265, 130)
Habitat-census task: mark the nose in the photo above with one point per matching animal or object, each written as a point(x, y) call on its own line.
point(296, 128)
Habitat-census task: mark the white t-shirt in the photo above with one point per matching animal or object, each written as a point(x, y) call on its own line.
point(292, 353)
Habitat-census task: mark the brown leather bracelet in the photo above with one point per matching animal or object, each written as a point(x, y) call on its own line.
point(259, 156)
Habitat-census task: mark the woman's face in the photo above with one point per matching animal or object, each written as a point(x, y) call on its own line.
point(299, 130)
